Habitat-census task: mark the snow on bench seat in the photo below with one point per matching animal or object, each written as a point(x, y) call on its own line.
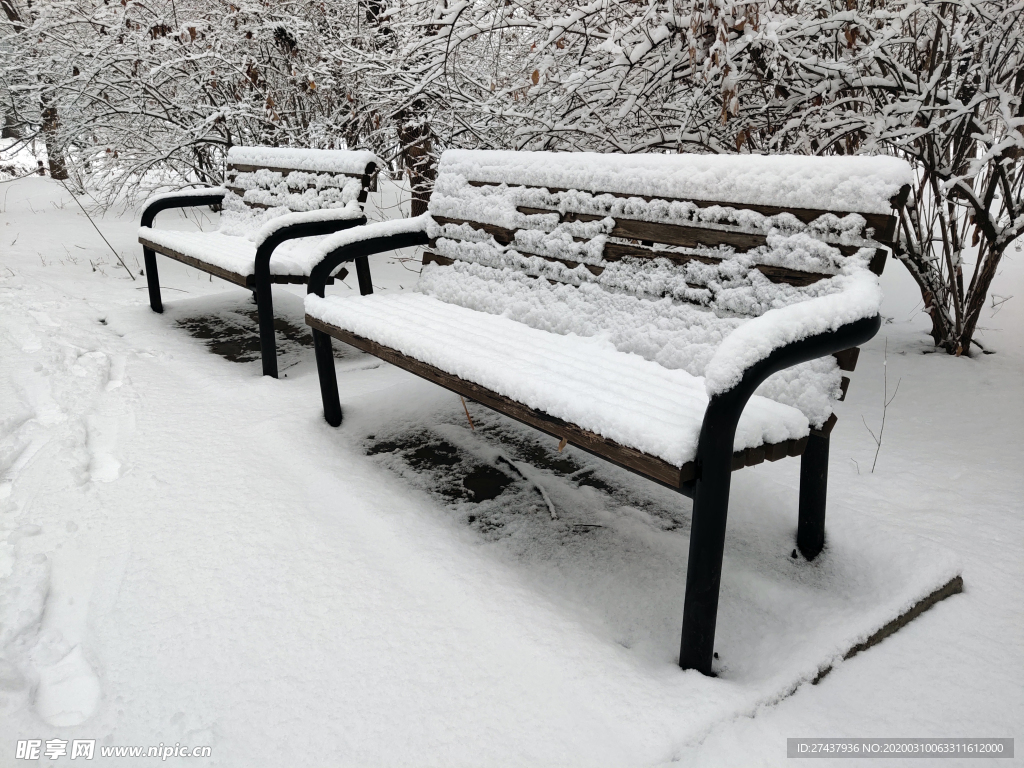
point(237, 254)
point(586, 381)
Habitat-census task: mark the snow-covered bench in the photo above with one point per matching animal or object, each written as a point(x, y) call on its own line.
point(682, 316)
point(271, 198)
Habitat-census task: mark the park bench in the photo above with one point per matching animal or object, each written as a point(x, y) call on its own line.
point(271, 197)
point(682, 316)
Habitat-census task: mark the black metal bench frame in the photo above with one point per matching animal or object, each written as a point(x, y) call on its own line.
point(261, 280)
point(709, 489)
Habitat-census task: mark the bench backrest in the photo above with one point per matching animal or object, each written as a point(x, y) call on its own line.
point(663, 255)
point(265, 182)
point(675, 208)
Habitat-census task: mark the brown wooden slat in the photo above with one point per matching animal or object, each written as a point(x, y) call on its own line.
point(692, 236)
point(296, 280)
point(649, 466)
point(795, 277)
point(670, 234)
point(367, 179)
point(847, 358)
point(826, 428)
point(797, 447)
point(884, 224)
point(500, 234)
point(241, 192)
point(844, 385)
point(877, 263)
point(285, 171)
point(429, 257)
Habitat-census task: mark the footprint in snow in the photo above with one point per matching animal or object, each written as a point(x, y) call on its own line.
point(102, 443)
point(43, 613)
point(69, 691)
point(115, 373)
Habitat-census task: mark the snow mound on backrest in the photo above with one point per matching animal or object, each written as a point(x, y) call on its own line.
point(846, 184)
point(316, 160)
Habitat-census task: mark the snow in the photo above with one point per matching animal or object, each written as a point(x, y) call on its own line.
point(315, 160)
point(860, 184)
point(455, 197)
point(587, 382)
point(858, 299)
point(235, 254)
point(233, 572)
point(350, 211)
point(370, 231)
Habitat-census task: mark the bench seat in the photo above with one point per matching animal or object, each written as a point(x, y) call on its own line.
point(232, 257)
point(619, 396)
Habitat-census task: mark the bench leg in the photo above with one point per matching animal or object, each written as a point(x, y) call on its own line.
point(810, 531)
point(328, 377)
point(363, 276)
point(704, 569)
point(152, 280)
point(265, 312)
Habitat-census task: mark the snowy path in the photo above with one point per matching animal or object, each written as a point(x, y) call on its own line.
point(193, 556)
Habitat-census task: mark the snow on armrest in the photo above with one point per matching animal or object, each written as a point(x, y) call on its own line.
point(185, 194)
point(860, 297)
point(350, 211)
point(369, 232)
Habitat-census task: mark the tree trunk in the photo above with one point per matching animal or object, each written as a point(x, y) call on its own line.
point(417, 142)
point(11, 129)
point(976, 300)
point(51, 122)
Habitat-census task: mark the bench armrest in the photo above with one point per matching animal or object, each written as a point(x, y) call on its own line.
point(777, 329)
point(330, 217)
point(360, 242)
point(292, 226)
point(185, 198)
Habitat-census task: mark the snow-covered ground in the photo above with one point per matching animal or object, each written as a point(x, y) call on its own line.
point(193, 556)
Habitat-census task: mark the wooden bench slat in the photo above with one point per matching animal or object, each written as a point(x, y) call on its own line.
point(794, 277)
point(847, 358)
point(231, 277)
point(688, 236)
point(649, 466)
point(827, 427)
point(844, 385)
point(685, 235)
point(430, 257)
point(883, 224)
point(238, 168)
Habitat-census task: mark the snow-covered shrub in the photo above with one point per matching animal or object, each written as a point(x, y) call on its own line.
point(168, 86)
point(939, 83)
